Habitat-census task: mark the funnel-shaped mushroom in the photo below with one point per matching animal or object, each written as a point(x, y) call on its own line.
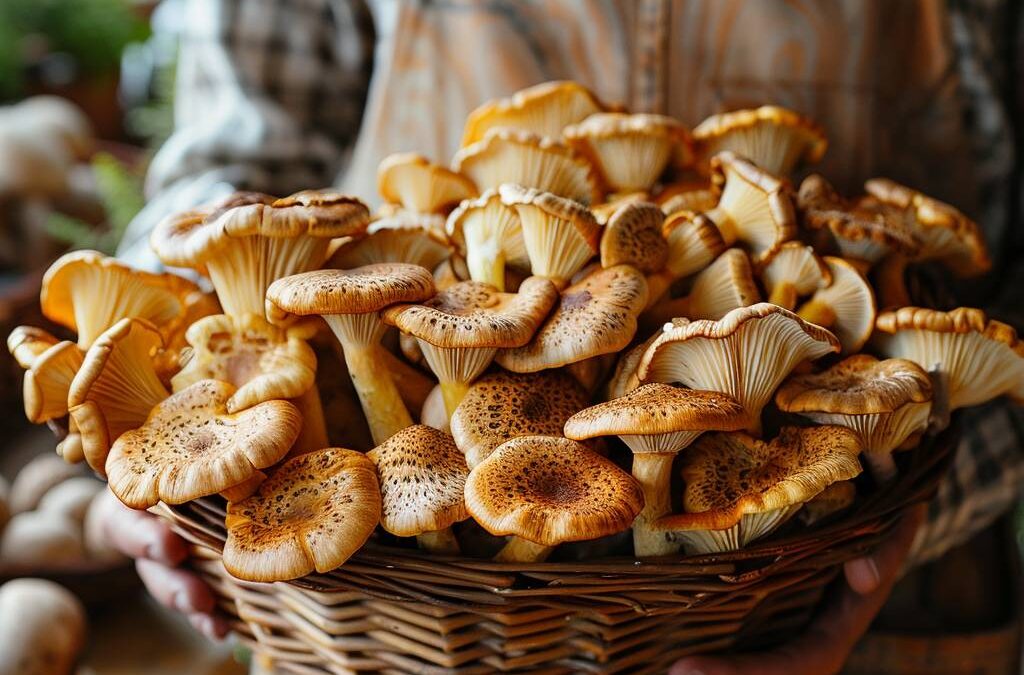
point(631, 151)
point(460, 329)
point(693, 243)
point(488, 234)
point(545, 491)
point(395, 238)
point(249, 240)
point(349, 302)
point(311, 515)
point(422, 486)
point(846, 306)
point(420, 187)
point(191, 446)
point(739, 489)
point(501, 406)
point(633, 236)
point(27, 343)
point(116, 387)
point(791, 272)
point(594, 316)
point(657, 421)
point(47, 382)
point(980, 359)
point(745, 354)
point(724, 285)
point(883, 402)
point(775, 138)
point(523, 158)
point(543, 109)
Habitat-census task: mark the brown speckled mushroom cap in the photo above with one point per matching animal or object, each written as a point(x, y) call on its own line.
point(846, 306)
point(776, 138)
point(311, 515)
point(416, 184)
point(857, 385)
point(551, 490)
point(633, 236)
point(422, 481)
point(595, 316)
point(791, 271)
point(504, 405)
point(191, 446)
point(543, 109)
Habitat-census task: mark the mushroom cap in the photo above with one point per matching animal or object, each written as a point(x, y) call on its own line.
point(188, 239)
point(756, 202)
point(361, 290)
point(422, 481)
point(851, 300)
point(693, 243)
point(724, 285)
point(857, 385)
point(654, 409)
point(27, 343)
point(833, 499)
point(633, 236)
point(520, 157)
point(595, 316)
point(797, 265)
point(504, 405)
point(544, 109)
point(691, 193)
point(474, 314)
point(263, 361)
point(399, 237)
point(487, 221)
point(613, 202)
point(311, 515)
point(761, 343)
point(48, 381)
point(730, 475)
point(776, 138)
point(625, 379)
point(631, 151)
point(861, 229)
point(551, 490)
point(981, 358)
point(190, 446)
point(419, 185)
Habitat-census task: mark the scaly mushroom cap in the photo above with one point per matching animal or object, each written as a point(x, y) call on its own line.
point(191, 446)
point(726, 284)
point(422, 481)
point(595, 316)
point(658, 417)
point(488, 234)
point(792, 271)
point(731, 478)
point(396, 238)
point(504, 405)
point(27, 343)
point(861, 229)
point(633, 236)
point(48, 380)
point(631, 151)
point(262, 361)
point(945, 234)
point(745, 354)
point(116, 387)
point(550, 491)
point(775, 138)
point(311, 515)
point(693, 243)
point(560, 235)
point(846, 306)
point(544, 109)
point(981, 359)
point(89, 292)
point(523, 158)
point(412, 181)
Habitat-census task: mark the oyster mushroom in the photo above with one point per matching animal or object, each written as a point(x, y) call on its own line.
point(793, 271)
point(421, 188)
point(27, 343)
point(693, 243)
point(488, 233)
point(846, 306)
point(48, 380)
point(632, 236)
point(775, 138)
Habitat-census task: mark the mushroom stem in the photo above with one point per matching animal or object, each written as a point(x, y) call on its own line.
point(784, 295)
point(882, 466)
point(453, 393)
point(382, 405)
point(487, 265)
point(456, 368)
point(725, 224)
point(819, 313)
point(523, 550)
point(891, 282)
point(439, 541)
point(413, 384)
point(654, 472)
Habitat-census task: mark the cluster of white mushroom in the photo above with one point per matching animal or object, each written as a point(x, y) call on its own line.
point(576, 275)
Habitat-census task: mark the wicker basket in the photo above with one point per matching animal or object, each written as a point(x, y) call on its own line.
point(397, 610)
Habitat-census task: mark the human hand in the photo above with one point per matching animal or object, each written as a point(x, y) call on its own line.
point(823, 648)
point(158, 552)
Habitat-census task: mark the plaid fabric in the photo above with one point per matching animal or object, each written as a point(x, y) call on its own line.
point(276, 95)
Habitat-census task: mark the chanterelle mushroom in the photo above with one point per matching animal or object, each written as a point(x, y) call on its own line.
point(249, 240)
point(846, 306)
point(793, 271)
point(311, 515)
point(460, 329)
point(739, 489)
point(395, 238)
point(724, 285)
point(488, 233)
point(693, 243)
point(633, 236)
point(27, 343)
point(422, 485)
point(657, 421)
point(48, 379)
point(546, 491)
point(884, 402)
point(760, 344)
point(501, 406)
point(349, 302)
point(979, 358)
point(420, 187)
point(775, 138)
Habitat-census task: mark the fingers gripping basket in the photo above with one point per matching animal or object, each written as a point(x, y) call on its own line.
point(397, 610)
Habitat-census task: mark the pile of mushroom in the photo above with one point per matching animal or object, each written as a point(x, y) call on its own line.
point(626, 325)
